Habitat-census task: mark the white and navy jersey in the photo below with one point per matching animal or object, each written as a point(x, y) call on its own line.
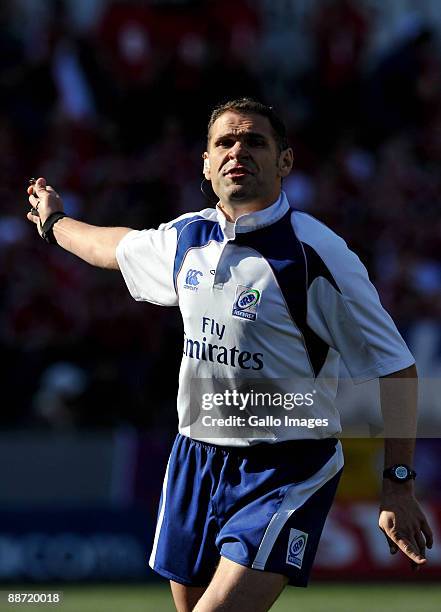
point(275, 295)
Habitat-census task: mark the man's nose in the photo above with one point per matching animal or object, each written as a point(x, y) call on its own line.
point(238, 151)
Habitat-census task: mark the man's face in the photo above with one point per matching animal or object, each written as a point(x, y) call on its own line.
point(244, 161)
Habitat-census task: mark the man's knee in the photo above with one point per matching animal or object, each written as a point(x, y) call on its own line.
point(185, 597)
point(235, 587)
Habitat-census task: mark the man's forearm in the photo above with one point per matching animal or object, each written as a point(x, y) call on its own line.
point(96, 245)
point(399, 396)
point(398, 450)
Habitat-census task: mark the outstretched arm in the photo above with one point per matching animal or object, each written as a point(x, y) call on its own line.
point(401, 518)
point(96, 245)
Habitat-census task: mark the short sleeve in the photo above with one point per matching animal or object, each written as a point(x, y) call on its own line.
point(345, 311)
point(146, 260)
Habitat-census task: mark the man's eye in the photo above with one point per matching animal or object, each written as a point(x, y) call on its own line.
point(225, 143)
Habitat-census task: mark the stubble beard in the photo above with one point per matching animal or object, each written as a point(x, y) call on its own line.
point(242, 193)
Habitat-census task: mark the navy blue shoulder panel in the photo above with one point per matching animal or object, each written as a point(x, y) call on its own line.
point(279, 245)
point(317, 267)
point(194, 232)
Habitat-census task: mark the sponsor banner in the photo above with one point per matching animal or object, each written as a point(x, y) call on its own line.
point(353, 545)
point(75, 545)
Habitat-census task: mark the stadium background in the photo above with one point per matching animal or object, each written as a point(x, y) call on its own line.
point(110, 100)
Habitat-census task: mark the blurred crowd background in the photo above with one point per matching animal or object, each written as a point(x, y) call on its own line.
point(109, 100)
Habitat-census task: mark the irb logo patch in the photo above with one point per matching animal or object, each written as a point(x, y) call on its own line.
point(296, 547)
point(246, 303)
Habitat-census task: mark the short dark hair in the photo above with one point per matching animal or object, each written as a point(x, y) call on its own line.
point(250, 106)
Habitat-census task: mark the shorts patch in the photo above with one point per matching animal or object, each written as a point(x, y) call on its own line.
point(296, 547)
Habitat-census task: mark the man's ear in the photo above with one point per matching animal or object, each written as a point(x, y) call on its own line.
point(286, 160)
point(206, 169)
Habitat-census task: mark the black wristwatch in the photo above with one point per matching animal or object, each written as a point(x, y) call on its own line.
point(399, 473)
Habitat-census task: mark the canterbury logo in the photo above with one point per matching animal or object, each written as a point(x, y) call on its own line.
point(192, 277)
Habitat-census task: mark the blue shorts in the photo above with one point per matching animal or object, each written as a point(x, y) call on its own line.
point(262, 506)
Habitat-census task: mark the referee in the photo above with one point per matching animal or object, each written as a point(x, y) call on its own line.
point(266, 293)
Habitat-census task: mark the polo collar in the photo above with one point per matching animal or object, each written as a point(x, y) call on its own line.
point(250, 222)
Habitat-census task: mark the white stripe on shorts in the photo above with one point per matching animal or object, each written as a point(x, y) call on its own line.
point(294, 498)
point(160, 518)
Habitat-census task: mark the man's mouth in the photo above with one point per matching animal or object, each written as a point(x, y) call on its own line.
point(238, 171)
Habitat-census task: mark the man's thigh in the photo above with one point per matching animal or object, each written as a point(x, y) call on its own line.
point(235, 587)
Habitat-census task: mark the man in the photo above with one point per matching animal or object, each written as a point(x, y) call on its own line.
point(265, 293)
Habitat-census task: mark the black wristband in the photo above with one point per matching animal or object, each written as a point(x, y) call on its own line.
point(47, 232)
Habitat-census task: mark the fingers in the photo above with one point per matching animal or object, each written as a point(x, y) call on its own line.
point(33, 214)
point(30, 216)
point(414, 564)
point(420, 543)
point(392, 546)
point(410, 549)
point(425, 528)
point(40, 188)
point(413, 546)
point(40, 185)
point(34, 202)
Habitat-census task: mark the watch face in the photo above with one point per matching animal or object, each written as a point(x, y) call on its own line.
point(401, 472)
